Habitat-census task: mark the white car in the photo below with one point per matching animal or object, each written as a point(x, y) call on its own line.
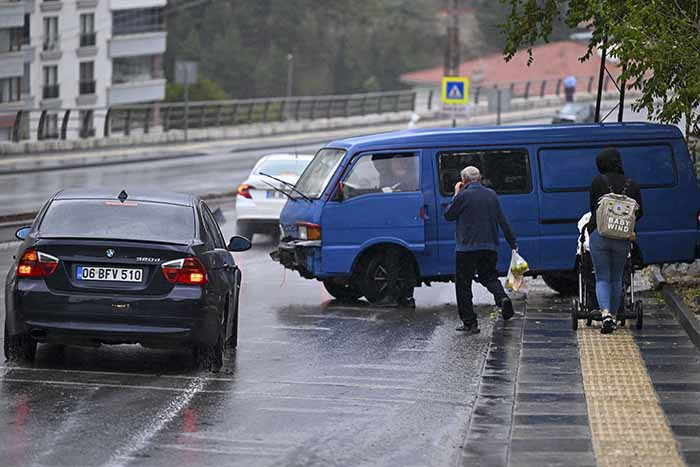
point(258, 205)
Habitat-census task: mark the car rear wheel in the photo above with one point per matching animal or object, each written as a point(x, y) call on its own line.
point(210, 356)
point(342, 289)
point(373, 275)
point(564, 283)
point(245, 229)
point(19, 349)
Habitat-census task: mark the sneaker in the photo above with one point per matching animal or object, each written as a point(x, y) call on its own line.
point(608, 325)
point(469, 328)
point(507, 308)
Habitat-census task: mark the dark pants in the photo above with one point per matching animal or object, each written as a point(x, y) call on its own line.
point(483, 264)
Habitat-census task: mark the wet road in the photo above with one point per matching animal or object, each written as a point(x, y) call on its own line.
point(312, 383)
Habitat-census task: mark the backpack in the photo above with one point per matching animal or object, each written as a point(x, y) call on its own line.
point(616, 214)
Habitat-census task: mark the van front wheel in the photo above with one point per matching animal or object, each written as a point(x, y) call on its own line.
point(563, 282)
point(374, 273)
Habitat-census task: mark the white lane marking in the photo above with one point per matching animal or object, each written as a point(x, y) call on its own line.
point(241, 451)
point(369, 378)
point(224, 437)
point(318, 411)
point(299, 328)
point(110, 373)
point(162, 418)
point(358, 318)
point(368, 366)
point(416, 350)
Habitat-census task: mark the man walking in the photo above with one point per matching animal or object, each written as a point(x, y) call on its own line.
point(478, 214)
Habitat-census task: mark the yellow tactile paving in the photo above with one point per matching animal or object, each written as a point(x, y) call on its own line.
point(627, 423)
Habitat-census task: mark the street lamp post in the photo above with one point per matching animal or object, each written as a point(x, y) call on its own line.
point(290, 82)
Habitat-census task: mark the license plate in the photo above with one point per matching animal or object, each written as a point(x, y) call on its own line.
point(274, 194)
point(97, 273)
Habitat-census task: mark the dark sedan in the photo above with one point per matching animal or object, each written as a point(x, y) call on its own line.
point(124, 268)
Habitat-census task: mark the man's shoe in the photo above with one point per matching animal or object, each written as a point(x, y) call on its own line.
point(608, 325)
point(407, 302)
point(507, 309)
point(469, 328)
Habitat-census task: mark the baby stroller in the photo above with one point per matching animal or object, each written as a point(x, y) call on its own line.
point(586, 305)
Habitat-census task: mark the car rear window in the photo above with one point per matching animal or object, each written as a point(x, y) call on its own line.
point(131, 220)
point(572, 169)
point(278, 168)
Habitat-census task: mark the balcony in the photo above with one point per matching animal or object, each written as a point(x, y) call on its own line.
point(11, 14)
point(51, 91)
point(142, 91)
point(11, 64)
point(87, 87)
point(150, 43)
point(116, 5)
point(51, 5)
point(51, 48)
point(88, 39)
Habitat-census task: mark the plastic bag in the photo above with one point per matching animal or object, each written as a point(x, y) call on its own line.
point(516, 272)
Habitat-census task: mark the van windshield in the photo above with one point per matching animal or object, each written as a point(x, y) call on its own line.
point(319, 172)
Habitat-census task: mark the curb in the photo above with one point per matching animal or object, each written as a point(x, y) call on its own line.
point(690, 324)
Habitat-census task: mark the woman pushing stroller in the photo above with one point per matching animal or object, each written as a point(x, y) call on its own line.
point(610, 242)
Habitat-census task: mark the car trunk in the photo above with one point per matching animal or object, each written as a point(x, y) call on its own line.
point(134, 268)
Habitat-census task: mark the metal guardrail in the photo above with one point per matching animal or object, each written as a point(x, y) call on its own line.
point(164, 117)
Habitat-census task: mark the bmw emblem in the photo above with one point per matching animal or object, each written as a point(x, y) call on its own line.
point(110, 253)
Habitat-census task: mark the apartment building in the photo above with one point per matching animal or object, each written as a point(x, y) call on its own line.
point(67, 61)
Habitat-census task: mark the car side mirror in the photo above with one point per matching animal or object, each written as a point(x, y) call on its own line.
point(238, 243)
point(23, 232)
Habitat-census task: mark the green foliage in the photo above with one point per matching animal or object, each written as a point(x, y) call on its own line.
point(204, 90)
point(656, 41)
point(338, 46)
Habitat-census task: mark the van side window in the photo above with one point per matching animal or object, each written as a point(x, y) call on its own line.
point(573, 168)
point(382, 173)
point(506, 171)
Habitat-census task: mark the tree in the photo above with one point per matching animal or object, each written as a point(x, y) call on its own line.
point(203, 90)
point(656, 41)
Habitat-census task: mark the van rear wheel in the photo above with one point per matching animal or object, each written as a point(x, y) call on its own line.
point(564, 283)
point(374, 273)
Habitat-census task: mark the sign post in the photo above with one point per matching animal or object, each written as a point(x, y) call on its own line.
point(186, 74)
point(455, 95)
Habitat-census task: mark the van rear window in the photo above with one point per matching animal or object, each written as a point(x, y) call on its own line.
point(506, 171)
point(572, 169)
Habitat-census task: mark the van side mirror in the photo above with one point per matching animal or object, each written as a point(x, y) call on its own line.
point(23, 232)
point(238, 243)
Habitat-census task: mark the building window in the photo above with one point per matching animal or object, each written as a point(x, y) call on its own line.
point(137, 21)
point(51, 82)
point(135, 69)
point(87, 30)
point(26, 79)
point(87, 78)
point(14, 40)
point(51, 33)
point(87, 123)
point(25, 30)
point(10, 89)
point(51, 126)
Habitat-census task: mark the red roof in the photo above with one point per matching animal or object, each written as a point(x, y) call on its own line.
point(550, 62)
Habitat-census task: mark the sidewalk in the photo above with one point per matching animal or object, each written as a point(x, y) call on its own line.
point(553, 396)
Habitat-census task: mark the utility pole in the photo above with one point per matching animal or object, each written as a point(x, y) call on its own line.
point(452, 51)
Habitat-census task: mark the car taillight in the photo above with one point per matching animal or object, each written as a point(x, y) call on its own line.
point(698, 217)
point(244, 191)
point(309, 231)
point(36, 264)
point(188, 271)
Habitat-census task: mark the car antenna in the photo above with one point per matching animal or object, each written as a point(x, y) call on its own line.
point(123, 196)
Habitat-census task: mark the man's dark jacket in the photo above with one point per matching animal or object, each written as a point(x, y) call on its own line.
point(478, 214)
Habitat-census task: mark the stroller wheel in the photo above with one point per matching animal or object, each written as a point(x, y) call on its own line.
point(574, 319)
point(589, 321)
point(639, 309)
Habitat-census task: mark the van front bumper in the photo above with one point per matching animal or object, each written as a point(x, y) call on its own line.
point(303, 256)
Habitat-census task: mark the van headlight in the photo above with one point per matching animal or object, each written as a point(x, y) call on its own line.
point(308, 231)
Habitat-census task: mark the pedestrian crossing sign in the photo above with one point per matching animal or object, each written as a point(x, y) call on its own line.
point(455, 90)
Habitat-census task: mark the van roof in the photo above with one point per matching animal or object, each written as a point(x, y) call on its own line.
point(514, 134)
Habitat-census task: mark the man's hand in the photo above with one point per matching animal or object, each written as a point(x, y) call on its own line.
point(458, 187)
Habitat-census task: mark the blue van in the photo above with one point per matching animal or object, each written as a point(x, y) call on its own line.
point(362, 196)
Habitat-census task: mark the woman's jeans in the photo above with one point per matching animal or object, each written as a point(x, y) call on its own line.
point(609, 257)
